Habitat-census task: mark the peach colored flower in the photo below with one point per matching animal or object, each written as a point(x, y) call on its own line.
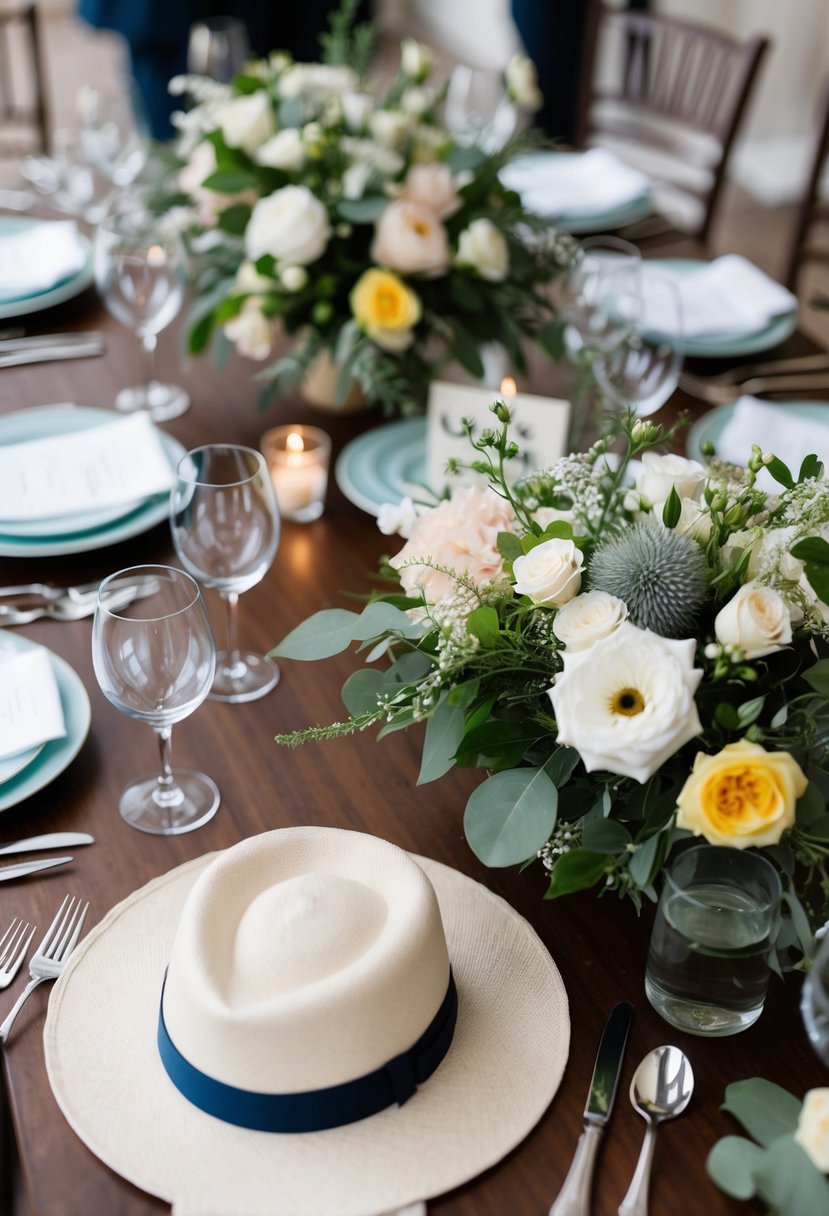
point(410, 238)
point(432, 186)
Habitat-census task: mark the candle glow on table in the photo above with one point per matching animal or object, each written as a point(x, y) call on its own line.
point(298, 459)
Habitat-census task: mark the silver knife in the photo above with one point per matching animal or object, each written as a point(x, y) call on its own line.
point(44, 354)
point(574, 1196)
point(23, 868)
point(54, 840)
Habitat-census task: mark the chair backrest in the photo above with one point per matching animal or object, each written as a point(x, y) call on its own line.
point(673, 90)
point(24, 120)
point(812, 210)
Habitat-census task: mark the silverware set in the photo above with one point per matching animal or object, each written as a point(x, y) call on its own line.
point(660, 1090)
point(804, 372)
point(30, 601)
point(51, 956)
point(45, 348)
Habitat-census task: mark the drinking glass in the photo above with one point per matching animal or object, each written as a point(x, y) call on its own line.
point(154, 658)
point(600, 297)
point(814, 1001)
point(225, 525)
point(218, 47)
point(478, 110)
point(114, 131)
point(140, 271)
point(708, 962)
point(642, 370)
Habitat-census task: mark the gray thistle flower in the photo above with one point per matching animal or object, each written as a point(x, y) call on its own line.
point(658, 572)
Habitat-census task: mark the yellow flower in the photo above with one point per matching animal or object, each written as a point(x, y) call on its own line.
point(386, 309)
point(742, 797)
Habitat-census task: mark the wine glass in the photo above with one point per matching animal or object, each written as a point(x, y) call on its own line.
point(218, 47)
point(140, 271)
point(154, 658)
point(225, 525)
point(642, 370)
point(114, 131)
point(814, 1001)
point(599, 296)
point(478, 110)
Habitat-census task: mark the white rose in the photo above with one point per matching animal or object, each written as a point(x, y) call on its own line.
point(319, 81)
point(415, 59)
point(357, 108)
point(694, 520)
point(246, 122)
point(627, 703)
point(410, 238)
point(201, 165)
point(550, 573)
point(756, 619)
point(483, 247)
point(293, 278)
point(588, 618)
point(813, 1128)
point(661, 474)
point(285, 150)
point(417, 100)
point(291, 224)
point(521, 80)
point(544, 516)
point(397, 518)
point(390, 127)
point(251, 331)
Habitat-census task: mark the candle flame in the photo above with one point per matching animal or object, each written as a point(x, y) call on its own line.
point(508, 387)
point(295, 443)
point(156, 256)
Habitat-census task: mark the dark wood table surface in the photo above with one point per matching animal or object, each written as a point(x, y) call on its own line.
point(599, 944)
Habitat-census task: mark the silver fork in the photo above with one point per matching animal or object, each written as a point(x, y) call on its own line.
point(722, 394)
point(49, 959)
point(13, 949)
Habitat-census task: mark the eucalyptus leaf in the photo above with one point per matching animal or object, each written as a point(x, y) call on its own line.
point(510, 816)
point(790, 1182)
point(605, 836)
point(363, 210)
point(559, 767)
point(732, 1163)
point(645, 860)
point(800, 921)
point(575, 871)
point(766, 1111)
point(322, 635)
point(362, 689)
point(230, 181)
point(444, 730)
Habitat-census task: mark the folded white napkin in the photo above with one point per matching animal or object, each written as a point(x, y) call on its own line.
point(30, 708)
point(38, 257)
point(775, 429)
point(120, 463)
point(727, 296)
point(574, 183)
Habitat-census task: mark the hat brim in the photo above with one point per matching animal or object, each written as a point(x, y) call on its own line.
point(502, 1070)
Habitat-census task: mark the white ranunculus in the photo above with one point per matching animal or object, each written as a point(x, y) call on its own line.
point(757, 619)
point(415, 59)
point(813, 1128)
point(247, 122)
point(291, 224)
point(661, 474)
point(588, 618)
point(285, 150)
point(397, 518)
point(251, 332)
point(550, 573)
point(522, 82)
point(482, 247)
point(627, 703)
point(390, 127)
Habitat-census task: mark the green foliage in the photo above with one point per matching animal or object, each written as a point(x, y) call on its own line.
point(510, 816)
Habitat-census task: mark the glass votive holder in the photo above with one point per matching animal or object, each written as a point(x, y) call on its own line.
point(298, 458)
point(708, 962)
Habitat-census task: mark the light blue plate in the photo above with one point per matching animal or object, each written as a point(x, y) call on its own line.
point(607, 220)
point(709, 427)
point(73, 286)
point(45, 420)
point(56, 755)
point(730, 345)
point(383, 465)
point(12, 765)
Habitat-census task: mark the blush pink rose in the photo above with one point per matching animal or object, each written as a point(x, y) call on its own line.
point(432, 186)
point(410, 238)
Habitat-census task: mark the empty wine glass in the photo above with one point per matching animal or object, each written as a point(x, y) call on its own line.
point(599, 296)
point(478, 110)
point(225, 525)
point(642, 371)
point(814, 1001)
point(218, 47)
point(140, 271)
point(154, 658)
point(114, 131)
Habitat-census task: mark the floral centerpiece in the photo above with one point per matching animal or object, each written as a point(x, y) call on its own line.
point(634, 646)
point(355, 222)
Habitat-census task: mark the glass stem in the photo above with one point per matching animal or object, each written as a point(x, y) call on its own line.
point(234, 666)
point(167, 792)
point(149, 342)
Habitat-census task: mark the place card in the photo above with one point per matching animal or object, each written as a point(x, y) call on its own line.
point(30, 708)
point(120, 463)
point(540, 427)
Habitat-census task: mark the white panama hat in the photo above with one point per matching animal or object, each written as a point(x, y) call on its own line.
point(298, 965)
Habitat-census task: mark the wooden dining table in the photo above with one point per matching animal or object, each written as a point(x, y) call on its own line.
point(598, 942)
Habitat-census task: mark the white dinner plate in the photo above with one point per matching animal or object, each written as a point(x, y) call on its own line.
point(710, 426)
point(603, 219)
point(383, 465)
point(57, 754)
point(42, 421)
point(65, 290)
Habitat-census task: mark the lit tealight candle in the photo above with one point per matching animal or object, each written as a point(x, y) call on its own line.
point(298, 459)
point(508, 387)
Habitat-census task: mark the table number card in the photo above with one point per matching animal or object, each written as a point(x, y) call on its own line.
point(539, 426)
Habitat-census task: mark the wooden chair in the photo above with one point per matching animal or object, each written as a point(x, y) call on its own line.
point(24, 120)
point(813, 211)
point(668, 96)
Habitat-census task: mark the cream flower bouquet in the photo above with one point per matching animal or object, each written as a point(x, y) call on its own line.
point(634, 647)
point(356, 223)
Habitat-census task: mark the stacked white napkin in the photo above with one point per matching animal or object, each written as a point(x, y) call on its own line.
point(30, 708)
point(39, 257)
point(775, 429)
point(729, 296)
point(574, 184)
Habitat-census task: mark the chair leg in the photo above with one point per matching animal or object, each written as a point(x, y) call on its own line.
point(41, 107)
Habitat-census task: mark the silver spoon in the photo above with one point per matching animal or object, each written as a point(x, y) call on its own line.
point(661, 1089)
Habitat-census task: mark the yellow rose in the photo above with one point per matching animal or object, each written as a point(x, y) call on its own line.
point(742, 797)
point(386, 309)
